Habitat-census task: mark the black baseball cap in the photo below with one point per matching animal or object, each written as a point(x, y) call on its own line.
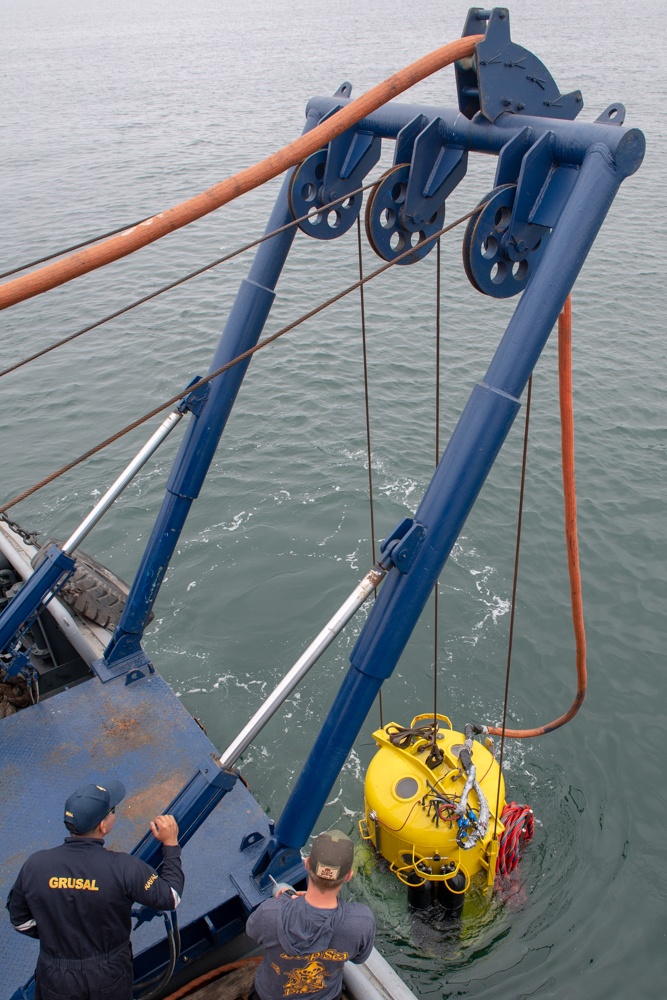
point(90, 804)
point(331, 856)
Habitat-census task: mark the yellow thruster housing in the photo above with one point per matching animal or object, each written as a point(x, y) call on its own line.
point(404, 815)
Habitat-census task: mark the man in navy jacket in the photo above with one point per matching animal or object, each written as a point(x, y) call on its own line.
point(77, 899)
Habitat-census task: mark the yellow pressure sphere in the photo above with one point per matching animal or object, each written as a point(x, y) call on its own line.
point(424, 813)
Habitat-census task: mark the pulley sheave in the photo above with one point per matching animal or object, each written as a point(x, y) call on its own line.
point(389, 232)
point(494, 264)
point(306, 195)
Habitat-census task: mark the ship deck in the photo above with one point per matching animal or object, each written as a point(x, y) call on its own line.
point(140, 733)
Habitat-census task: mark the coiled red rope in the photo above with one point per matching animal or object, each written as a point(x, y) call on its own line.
point(519, 825)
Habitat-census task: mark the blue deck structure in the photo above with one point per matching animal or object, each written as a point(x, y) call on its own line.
point(139, 732)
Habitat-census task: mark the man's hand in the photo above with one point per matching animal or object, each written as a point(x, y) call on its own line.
point(165, 829)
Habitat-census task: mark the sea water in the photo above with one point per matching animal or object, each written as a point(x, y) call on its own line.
point(113, 112)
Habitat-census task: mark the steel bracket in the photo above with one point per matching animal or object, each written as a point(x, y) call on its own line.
point(19, 663)
point(404, 543)
point(613, 115)
point(435, 171)
point(286, 865)
point(523, 234)
point(132, 667)
point(405, 140)
point(400, 531)
point(543, 187)
point(195, 400)
point(505, 77)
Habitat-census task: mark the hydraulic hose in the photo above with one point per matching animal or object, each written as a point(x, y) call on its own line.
point(157, 983)
point(240, 183)
point(570, 503)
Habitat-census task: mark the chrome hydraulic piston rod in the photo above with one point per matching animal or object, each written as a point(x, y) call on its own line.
point(125, 478)
point(311, 655)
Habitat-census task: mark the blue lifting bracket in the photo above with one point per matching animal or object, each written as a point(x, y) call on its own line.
point(333, 174)
point(505, 77)
point(195, 801)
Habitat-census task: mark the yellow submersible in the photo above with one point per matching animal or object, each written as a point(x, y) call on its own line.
point(433, 799)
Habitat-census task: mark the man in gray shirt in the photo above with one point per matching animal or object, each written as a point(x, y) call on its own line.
point(308, 937)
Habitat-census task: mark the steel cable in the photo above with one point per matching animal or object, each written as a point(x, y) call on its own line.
point(246, 180)
point(179, 281)
point(572, 542)
point(230, 364)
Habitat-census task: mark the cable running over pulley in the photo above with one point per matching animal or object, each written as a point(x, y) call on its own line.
point(240, 183)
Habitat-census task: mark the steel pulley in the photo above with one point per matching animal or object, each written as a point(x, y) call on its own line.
point(306, 194)
point(389, 231)
point(494, 263)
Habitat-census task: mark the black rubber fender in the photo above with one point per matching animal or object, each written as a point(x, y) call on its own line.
point(93, 591)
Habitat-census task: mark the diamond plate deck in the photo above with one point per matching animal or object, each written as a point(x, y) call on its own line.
point(141, 734)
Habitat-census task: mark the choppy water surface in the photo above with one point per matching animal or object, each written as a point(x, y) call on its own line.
point(112, 112)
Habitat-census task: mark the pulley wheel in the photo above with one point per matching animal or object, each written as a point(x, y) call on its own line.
point(486, 264)
point(305, 196)
point(387, 233)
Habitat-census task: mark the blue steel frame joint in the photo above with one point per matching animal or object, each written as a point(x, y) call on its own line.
point(330, 174)
point(400, 531)
point(435, 170)
point(523, 235)
point(510, 157)
point(285, 864)
point(406, 138)
point(53, 570)
point(405, 552)
point(251, 839)
point(218, 777)
point(135, 665)
point(19, 663)
point(195, 400)
point(403, 544)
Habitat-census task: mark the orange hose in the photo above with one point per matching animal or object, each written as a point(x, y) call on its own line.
point(210, 977)
point(570, 500)
point(246, 180)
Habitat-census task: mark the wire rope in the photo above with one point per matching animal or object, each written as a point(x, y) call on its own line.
point(179, 281)
point(437, 459)
point(83, 261)
point(367, 409)
point(75, 246)
point(230, 364)
point(515, 579)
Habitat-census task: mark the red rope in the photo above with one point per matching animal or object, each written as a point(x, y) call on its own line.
point(519, 826)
